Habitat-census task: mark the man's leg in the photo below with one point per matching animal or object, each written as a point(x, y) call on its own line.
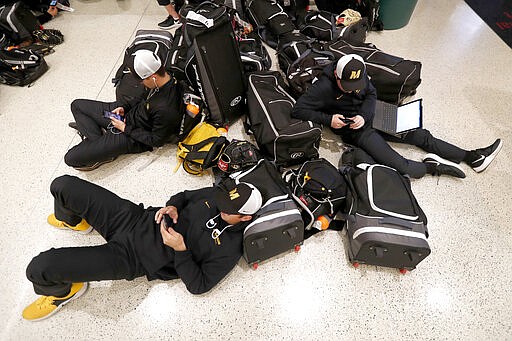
point(89, 118)
point(173, 18)
point(373, 143)
point(61, 275)
point(91, 153)
point(423, 139)
point(105, 211)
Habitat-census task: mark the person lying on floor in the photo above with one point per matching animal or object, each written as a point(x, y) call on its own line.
point(135, 127)
point(344, 99)
point(197, 237)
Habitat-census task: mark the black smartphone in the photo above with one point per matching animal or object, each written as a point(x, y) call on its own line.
point(347, 120)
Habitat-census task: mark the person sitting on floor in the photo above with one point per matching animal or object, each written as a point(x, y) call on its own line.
point(197, 237)
point(139, 126)
point(344, 99)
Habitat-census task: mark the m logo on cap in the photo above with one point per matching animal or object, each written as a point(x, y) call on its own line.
point(355, 74)
point(233, 194)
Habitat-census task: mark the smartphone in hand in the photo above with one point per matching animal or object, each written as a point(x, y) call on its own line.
point(110, 114)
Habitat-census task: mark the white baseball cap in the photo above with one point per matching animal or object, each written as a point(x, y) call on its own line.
point(145, 63)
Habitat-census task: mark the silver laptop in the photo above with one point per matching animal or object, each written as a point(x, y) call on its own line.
point(395, 120)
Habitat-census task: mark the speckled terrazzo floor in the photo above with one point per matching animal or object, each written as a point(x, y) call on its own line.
point(461, 292)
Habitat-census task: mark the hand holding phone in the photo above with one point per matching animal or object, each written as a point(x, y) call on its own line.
point(347, 120)
point(110, 114)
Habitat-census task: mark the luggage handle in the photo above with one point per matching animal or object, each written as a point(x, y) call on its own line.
point(379, 251)
point(414, 256)
point(291, 232)
point(396, 221)
point(259, 242)
point(201, 18)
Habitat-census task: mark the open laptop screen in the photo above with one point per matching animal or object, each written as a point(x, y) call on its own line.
point(409, 116)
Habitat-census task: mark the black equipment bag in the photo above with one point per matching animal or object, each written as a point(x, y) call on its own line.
point(303, 72)
point(284, 140)
point(385, 224)
point(21, 67)
point(322, 26)
point(178, 55)
point(128, 88)
point(18, 22)
point(319, 188)
point(291, 46)
point(394, 78)
point(254, 55)
point(214, 65)
point(277, 227)
point(269, 19)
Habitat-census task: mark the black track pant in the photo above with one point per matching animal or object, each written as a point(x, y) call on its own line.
point(376, 146)
point(52, 272)
point(102, 142)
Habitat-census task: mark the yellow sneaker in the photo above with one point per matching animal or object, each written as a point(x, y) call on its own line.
point(46, 306)
point(82, 227)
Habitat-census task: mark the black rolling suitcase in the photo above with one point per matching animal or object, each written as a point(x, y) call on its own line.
point(385, 224)
point(217, 69)
point(284, 140)
point(278, 226)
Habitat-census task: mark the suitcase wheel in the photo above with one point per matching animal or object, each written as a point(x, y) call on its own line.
point(355, 264)
point(254, 266)
point(403, 271)
point(297, 248)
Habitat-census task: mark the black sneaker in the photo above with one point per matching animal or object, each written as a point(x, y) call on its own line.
point(444, 167)
point(486, 155)
point(75, 126)
point(94, 165)
point(169, 23)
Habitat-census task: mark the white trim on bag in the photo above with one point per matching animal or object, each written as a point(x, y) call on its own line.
point(260, 220)
point(369, 179)
point(387, 230)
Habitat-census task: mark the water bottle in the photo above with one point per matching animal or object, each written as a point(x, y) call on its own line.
point(322, 222)
point(192, 109)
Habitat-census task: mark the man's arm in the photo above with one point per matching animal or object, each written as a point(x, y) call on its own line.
point(200, 278)
point(160, 132)
point(310, 107)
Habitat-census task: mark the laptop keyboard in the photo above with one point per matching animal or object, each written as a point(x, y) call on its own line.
point(389, 121)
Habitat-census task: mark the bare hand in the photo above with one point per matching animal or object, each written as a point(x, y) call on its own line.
point(171, 211)
point(336, 121)
point(172, 238)
point(52, 10)
point(119, 111)
point(120, 125)
point(358, 122)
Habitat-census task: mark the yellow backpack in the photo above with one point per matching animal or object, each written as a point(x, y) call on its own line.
point(201, 149)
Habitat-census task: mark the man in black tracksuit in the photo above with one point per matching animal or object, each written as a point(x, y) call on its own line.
point(197, 237)
point(140, 126)
point(344, 99)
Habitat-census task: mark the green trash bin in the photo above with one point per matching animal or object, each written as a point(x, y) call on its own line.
point(395, 14)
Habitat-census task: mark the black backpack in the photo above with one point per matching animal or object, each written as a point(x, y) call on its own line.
point(128, 88)
point(254, 55)
point(21, 67)
point(319, 188)
point(18, 22)
point(367, 8)
point(303, 72)
point(322, 26)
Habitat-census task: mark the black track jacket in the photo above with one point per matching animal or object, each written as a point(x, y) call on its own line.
point(325, 99)
point(206, 261)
